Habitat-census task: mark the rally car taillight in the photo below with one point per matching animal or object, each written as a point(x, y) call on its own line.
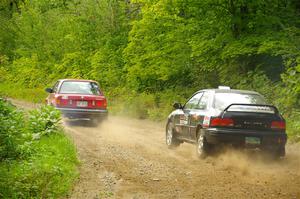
point(60, 100)
point(101, 103)
point(105, 103)
point(217, 122)
point(57, 101)
point(221, 122)
point(278, 125)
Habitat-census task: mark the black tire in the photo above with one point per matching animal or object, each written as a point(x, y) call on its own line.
point(94, 122)
point(281, 152)
point(171, 140)
point(277, 154)
point(273, 153)
point(203, 148)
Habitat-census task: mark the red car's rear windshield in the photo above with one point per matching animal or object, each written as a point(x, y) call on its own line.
point(77, 87)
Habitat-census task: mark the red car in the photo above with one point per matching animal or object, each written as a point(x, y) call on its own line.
point(78, 99)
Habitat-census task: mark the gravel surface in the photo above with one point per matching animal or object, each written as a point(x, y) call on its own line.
point(127, 158)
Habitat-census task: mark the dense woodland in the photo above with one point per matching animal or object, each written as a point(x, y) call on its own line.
point(148, 53)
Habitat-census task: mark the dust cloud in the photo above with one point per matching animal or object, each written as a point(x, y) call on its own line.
point(135, 153)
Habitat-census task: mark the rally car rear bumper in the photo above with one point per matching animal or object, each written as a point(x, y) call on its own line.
point(83, 113)
point(246, 138)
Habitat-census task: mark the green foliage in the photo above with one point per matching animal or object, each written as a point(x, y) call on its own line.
point(11, 131)
point(17, 91)
point(133, 104)
point(292, 79)
point(48, 173)
point(140, 51)
point(36, 159)
point(3, 69)
point(293, 126)
point(147, 105)
point(44, 121)
point(158, 54)
point(27, 72)
point(164, 102)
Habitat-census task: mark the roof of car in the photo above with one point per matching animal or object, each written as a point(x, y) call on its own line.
point(79, 80)
point(231, 91)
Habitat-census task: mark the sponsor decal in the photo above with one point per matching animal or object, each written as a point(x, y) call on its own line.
point(206, 121)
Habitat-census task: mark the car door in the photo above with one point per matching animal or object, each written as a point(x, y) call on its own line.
point(188, 108)
point(197, 114)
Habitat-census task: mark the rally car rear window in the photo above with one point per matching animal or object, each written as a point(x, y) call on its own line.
point(73, 87)
point(223, 100)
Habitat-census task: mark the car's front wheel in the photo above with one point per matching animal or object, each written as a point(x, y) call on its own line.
point(171, 140)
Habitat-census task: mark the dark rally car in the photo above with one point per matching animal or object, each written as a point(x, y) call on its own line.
point(225, 116)
point(78, 99)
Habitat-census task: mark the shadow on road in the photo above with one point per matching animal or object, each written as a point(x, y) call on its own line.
point(80, 123)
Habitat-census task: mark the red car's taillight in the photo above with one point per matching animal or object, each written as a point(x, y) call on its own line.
point(221, 122)
point(101, 103)
point(105, 103)
point(57, 101)
point(278, 125)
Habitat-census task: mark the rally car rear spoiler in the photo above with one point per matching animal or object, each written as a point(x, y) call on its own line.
point(261, 108)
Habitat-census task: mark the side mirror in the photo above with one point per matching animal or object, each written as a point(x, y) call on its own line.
point(49, 90)
point(177, 105)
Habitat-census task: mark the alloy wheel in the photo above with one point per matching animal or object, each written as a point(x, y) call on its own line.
point(200, 144)
point(169, 136)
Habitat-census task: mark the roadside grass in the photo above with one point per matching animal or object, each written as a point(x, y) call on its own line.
point(155, 107)
point(37, 160)
point(49, 172)
point(36, 95)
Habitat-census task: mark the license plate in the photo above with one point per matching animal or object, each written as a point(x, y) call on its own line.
point(82, 103)
point(252, 140)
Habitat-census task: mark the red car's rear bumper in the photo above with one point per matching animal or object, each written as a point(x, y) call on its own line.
point(83, 113)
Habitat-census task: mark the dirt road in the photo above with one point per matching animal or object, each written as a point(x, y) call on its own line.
point(127, 158)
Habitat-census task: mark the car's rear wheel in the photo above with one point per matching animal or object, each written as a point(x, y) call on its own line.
point(171, 140)
point(97, 120)
point(281, 152)
point(203, 147)
point(94, 121)
point(278, 153)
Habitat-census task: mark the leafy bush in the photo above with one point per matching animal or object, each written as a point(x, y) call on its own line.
point(147, 105)
point(293, 126)
point(48, 173)
point(36, 159)
point(44, 121)
point(137, 105)
point(11, 130)
point(165, 101)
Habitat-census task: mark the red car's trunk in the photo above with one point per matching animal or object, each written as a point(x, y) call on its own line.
point(80, 101)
